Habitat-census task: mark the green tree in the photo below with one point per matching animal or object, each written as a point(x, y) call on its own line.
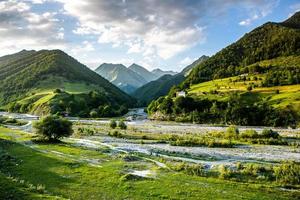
point(122, 125)
point(53, 127)
point(113, 124)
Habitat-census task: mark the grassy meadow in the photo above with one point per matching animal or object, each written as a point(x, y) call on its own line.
point(66, 171)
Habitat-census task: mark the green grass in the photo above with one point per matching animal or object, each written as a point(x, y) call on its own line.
point(289, 95)
point(70, 179)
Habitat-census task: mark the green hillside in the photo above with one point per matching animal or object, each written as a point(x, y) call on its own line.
point(254, 81)
point(157, 88)
point(43, 82)
point(266, 42)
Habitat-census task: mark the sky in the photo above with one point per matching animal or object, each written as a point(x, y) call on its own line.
point(165, 34)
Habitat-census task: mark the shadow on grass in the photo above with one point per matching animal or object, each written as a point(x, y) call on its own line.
point(34, 167)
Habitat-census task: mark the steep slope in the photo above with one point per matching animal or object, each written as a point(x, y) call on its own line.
point(124, 78)
point(33, 75)
point(162, 86)
point(187, 70)
point(148, 76)
point(254, 81)
point(157, 88)
point(268, 41)
point(159, 73)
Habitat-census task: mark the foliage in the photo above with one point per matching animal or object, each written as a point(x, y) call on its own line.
point(53, 127)
point(269, 133)
point(122, 125)
point(235, 110)
point(288, 173)
point(113, 124)
point(232, 132)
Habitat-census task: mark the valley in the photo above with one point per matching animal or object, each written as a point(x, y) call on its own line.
point(149, 100)
point(139, 155)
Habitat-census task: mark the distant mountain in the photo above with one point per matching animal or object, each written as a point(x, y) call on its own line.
point(124, 78)
point(148, 76)
point(128, 79)
point(158, 72)
point(50, 81)
point(161, 86)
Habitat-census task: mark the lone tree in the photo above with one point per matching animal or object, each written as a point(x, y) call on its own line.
point(53, 127)
point(122, 125)
point(113, 124)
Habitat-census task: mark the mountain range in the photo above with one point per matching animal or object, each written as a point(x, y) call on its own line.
point(50, 81)
point(131, 78)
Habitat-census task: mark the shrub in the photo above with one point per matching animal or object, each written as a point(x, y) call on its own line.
point(232, 132)
point(249, 134)
point(115, 134)
point(269, 133)
point(85, 131)
point(113, 124)
point(122, 125)
point(53, 127)
point(288, 173)
point(224, 172)
point(57, 90)
point(93, 114)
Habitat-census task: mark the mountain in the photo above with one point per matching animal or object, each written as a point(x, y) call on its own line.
point(50, 81)
point(254, 81)
point(186, 71)
point(148, 76)
point(268, 41)
point(124, 78)
point(162, 85)
point(128, 79)
point(158, 72)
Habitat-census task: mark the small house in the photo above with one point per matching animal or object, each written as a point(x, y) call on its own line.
point(181, 94)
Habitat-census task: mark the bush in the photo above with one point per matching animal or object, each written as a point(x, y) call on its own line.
point(224, 172)
point(93, 114)
point(113, 124)
point(57, 91)
point(269, 133)
point(249, 134)
point(232, 132)
point(288, 173)
point(53, 127)
point(122, 125)
point(115, 134)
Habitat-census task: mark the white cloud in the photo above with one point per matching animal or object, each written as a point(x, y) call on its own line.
point(258, 11)
point(295, 8)
point(23, 29)
point(163, 28)
point(248, 21)
point(186, 61)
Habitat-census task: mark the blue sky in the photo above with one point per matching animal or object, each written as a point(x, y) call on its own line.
point(167, 34)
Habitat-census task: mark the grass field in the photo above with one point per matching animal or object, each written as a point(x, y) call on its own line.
point(288, 95)
point(64, 171)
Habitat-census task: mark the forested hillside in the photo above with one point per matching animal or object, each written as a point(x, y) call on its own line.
point(262, 85)
point(268, 41)
point(33, 81)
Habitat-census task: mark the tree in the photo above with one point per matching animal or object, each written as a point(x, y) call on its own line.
point(122, 125)
point(93, 114)
point(113, 124)
point(53, 127)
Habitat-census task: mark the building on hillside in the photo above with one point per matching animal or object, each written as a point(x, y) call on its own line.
point(181, 94)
